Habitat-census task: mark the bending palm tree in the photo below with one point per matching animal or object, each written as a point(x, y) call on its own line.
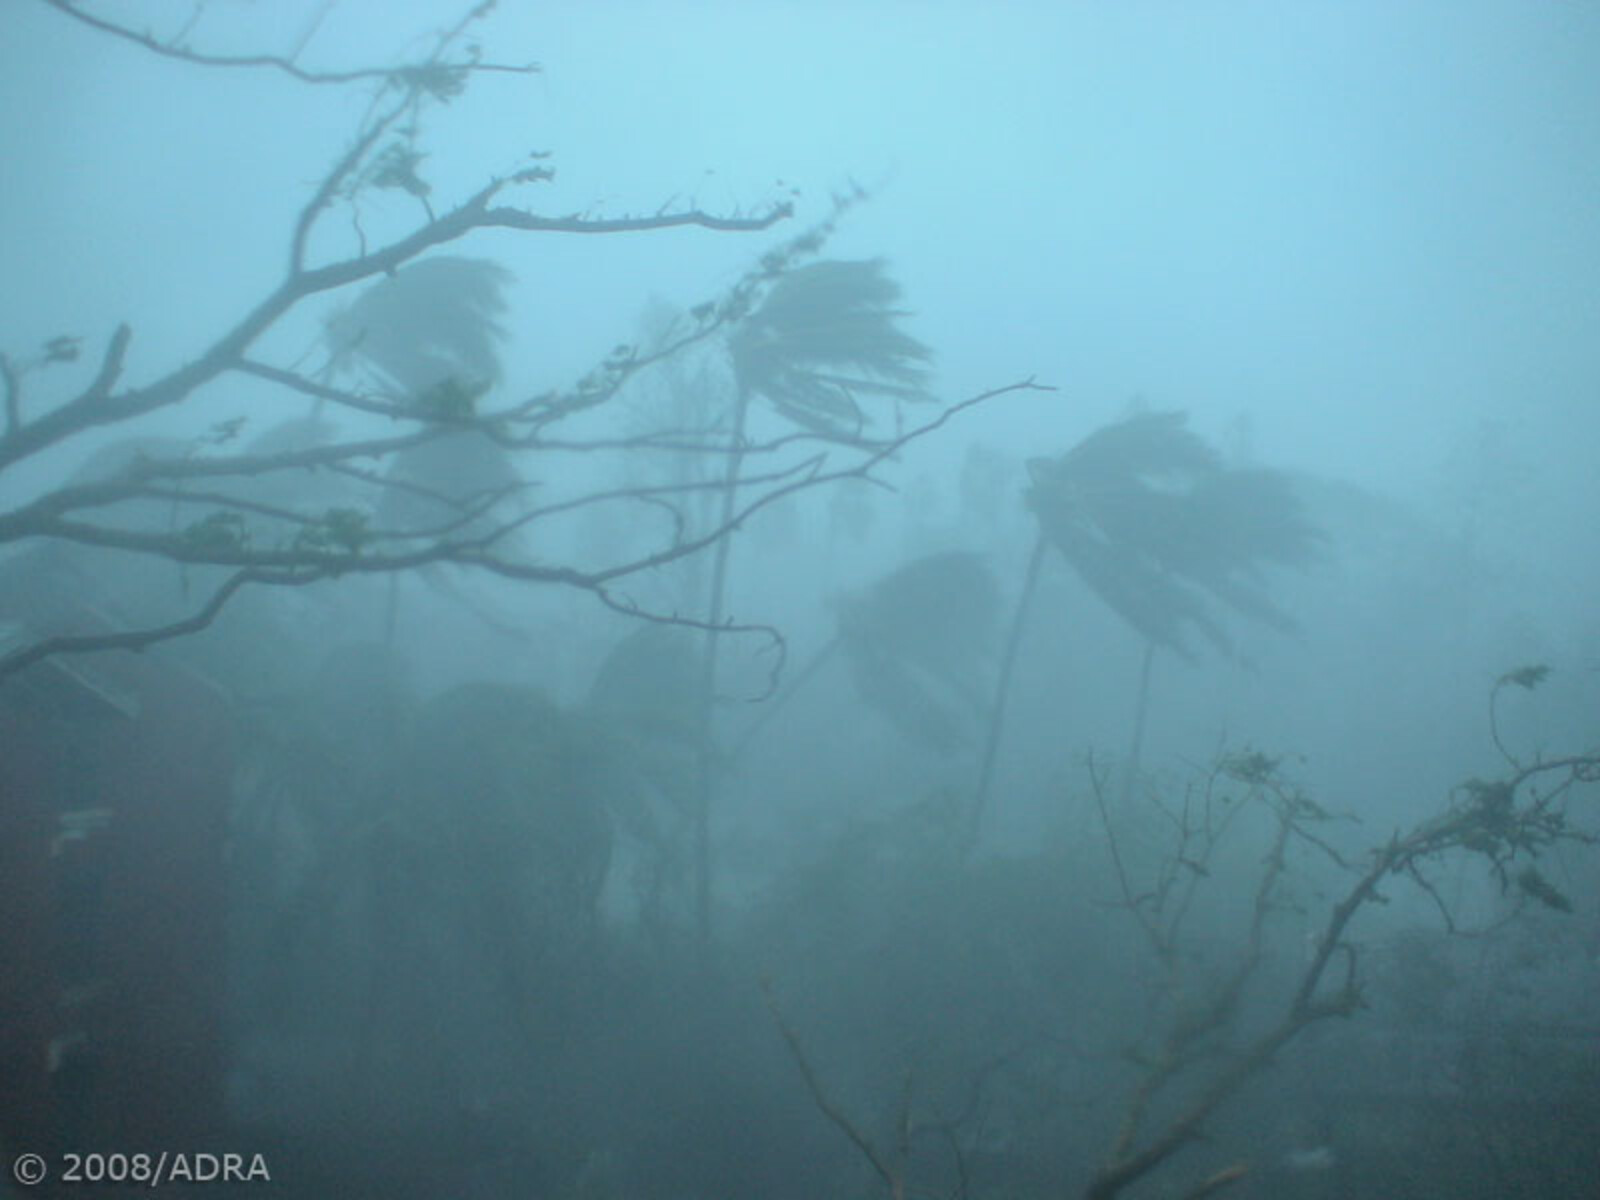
point(1157, 527)
point(918, 645)
point(825, 336)
point(429, 335)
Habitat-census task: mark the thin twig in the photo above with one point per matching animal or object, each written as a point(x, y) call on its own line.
point(892, 1179)
point(182, 53)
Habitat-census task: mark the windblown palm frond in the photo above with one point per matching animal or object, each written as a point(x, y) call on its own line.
point(454, 485)
point(1158, 527)
point(919, 644)
point(428, 324)
point(823, 336)
point(641, 700)
point(646, 683)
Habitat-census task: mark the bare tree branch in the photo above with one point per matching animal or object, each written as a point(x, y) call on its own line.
point(94, 407)
point(139, 639)
point(184, 53)
point(262, 541)
point(892, 1175)
point(1488, 822)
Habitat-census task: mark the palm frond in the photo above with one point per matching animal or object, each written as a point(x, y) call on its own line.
point(1160, 605)
point(449, 479)
point(937, 609)
point(1153, 449)
point(647, 682)
point(919, 641)
point(429, 323)
point(1254, 516)
point(1157, 526)
point(825, 335)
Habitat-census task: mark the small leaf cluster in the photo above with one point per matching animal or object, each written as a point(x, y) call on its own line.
point(395, 167)
point(1494, 827)
point(1526, 678)
point(1250, 767)
point(337, 531)
point(221, 532)
point(438, 81)
point(453, 398)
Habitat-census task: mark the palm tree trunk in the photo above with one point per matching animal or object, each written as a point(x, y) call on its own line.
point(707, 784)
point(391, 610)
point(997, 709)
point(1130, 769)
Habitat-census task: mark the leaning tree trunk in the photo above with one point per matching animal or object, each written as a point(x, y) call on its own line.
point(1141, 712)
point(706, 734)
point(997, 708)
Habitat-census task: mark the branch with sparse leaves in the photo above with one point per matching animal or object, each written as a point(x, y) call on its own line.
point(217, 517)
point(893, 1169)
point(438, 72)
point(340, 541)
point(242, 512)
point(1507, 822)
point(401, 94)
point(97, 405)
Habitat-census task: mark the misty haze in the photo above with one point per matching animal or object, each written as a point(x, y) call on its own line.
point(662, 600)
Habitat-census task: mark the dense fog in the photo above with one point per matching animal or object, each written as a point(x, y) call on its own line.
point(990, 601)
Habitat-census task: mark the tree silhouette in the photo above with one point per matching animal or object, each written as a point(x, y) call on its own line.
point(1154, 523)
point(431, 322)
point(918, 644)
point(822, 337)
point(411, 452)
point(411, 361)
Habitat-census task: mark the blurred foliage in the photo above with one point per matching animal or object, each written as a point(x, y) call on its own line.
point(395, 166)
point(1154, 523)
point(218, 531)
point(1526, 678)
point(338, 530)
point(432, 324)
point(1249, 767)
point(447, 479)
point(825, 335)
point(1534, 884)
point(505, 789)
point(441, 81)
point(645, 682)
point(452, 399)
point(642, 706)
point(919, 643)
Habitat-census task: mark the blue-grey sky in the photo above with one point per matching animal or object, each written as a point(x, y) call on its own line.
point(1368, 225)
point(1364, 230)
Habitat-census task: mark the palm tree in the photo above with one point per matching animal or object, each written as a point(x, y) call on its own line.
point(1163, 532)
point(825, 337)
point(429, 335)
point(918, 645)
point(432, 321)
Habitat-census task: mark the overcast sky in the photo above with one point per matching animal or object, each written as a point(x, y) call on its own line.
point(1367, 228)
